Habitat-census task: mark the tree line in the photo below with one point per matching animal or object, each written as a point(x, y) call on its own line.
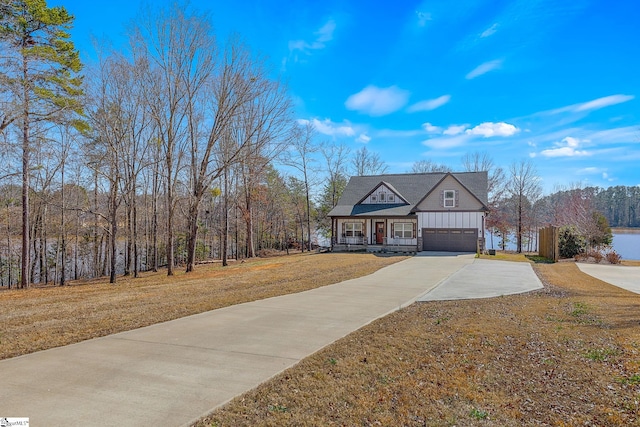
point(178, 150)
point(160, 155)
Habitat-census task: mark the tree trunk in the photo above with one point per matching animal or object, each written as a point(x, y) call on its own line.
point(134, 215)
point(9, 255)
point(170, 237)
point(128, 259)
point(25, 262)
point(308, 214)
point(63, 240)
point(113, 219)
point(96, 244)
point(225, 218)
point(249, 224)
point(104, 253)
point(113, 249)
point(154, 219)
point(76, 247)
point(192, 235)
point(519, 232)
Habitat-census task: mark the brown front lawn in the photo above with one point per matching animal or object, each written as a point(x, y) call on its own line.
point(40, 318)
point(567, 355)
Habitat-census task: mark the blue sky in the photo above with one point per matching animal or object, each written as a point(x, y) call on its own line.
point(557, 82)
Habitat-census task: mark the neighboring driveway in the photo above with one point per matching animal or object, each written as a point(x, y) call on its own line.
point(619, 275)
point(486, 279)
point(173, 373)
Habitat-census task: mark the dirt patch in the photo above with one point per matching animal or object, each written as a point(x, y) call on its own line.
point(566, 355)
point(40, 318)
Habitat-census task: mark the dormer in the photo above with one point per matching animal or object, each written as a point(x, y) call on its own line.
point(383, 194)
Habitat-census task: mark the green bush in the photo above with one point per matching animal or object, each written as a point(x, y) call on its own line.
point(570, 243)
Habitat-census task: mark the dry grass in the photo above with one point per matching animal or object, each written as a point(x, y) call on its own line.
point(40, 318)
point(567, 355)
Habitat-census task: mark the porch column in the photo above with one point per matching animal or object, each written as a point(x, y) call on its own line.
point(385, 238)
point(333, 224)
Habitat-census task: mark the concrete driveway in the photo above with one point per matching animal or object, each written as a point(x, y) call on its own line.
point(485, 278)
point(618, 275)
point(173, 373)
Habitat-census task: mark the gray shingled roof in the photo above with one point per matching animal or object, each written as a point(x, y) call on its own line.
point(412, 187)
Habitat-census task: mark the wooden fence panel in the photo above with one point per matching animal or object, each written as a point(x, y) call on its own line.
point(548, 243)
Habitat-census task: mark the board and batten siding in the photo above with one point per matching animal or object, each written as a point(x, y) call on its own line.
point(382, 195)
point(465, 200)
point(450, 220)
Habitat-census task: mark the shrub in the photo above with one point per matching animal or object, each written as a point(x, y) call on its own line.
point(602, 235)
point(570, 243)
point(596, 255)
point(613, 257)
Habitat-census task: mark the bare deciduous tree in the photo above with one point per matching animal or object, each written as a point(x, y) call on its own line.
point(481, 162)
point(524, 188)
point(426, 166)
point(366, 162)
point(245, 105)
point(336, 158)
point(170, 41)
point(301, 157)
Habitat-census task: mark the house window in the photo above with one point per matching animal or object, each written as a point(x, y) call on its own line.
point(374, 198)
point(353, 229)
point(382, 197)
point(403, 230)
point(390, 198)
point(449, 198)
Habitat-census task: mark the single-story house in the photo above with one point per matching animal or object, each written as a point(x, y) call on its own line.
point(411, 212)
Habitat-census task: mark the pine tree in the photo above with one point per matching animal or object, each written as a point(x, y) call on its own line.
point(39, 73)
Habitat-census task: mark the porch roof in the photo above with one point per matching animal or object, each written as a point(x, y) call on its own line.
point(371, 210)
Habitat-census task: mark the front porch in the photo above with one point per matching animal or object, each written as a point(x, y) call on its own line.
point(376, 234)
point(388, 245)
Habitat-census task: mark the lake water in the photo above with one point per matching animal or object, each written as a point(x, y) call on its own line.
point(625, 242)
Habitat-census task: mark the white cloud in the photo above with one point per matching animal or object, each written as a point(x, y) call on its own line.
point(568, 147)
point(590, 171)
point(323, 35)
point(489, 31)
point(607, 177)
point(489, 129)
point(376, 101)
point(397, 134)
point(455, 129)
point(423, 18)
point(327, 127)
point(606, 101)
point(430, 104)
point(484, 68)
point(364, 138)
point(595, 104)
point(446, 142)
point(431, 128)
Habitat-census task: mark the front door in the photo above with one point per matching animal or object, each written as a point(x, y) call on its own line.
point(379, 233)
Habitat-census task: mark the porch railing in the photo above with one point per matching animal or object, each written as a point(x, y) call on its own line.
point(362, 241)
point(397, 241)
point(350, 240)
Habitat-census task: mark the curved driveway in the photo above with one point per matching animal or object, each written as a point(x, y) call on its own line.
point(486, 278)
point(618, 275)
point(173, 373)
